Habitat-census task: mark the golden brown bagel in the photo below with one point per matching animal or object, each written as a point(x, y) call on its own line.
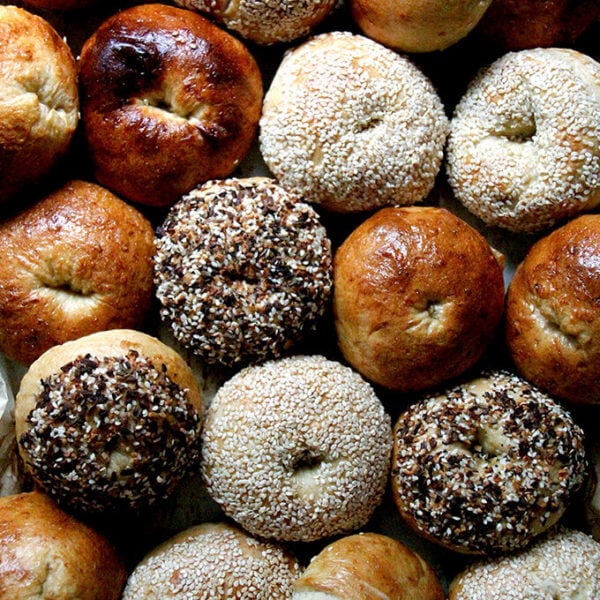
point(45, 553)
point(367, 566)
point(418, 25)
point(39, 99)
point(78, 261)
point(418, 295)
point(552, 312)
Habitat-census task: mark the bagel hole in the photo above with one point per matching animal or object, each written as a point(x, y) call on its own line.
point(521, 133)
point(307, 460)
point(371, 123)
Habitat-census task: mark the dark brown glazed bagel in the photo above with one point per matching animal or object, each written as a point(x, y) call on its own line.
point(168, 100)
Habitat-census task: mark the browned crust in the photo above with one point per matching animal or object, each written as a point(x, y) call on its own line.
point(169, 100)
point(78, 261)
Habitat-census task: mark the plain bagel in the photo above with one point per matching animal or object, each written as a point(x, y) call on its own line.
point(77, 261)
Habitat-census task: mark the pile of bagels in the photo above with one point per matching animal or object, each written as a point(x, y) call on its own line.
point(299, 300)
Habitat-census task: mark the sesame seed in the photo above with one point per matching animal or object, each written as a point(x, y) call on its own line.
point(297, 449)
point(524, 145)
point(487, 465)
point(351, 125)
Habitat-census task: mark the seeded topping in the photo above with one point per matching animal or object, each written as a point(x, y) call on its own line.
point(524, 146)
point(242, 269)
point(352, 125)
point(110, 434)
point(266, 21)
point(214, 561)
point(297, 449)
point(566, 564)
point(487, 466)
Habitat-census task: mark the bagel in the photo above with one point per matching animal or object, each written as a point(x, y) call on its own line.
point(242, 270)
point(521, 24)
point(350, 125)
point(367, 566)
point(418, 296)
point(564, 564)
point(39, 102)
point(77, 261)
point(48, 553)
point(296, 449)
point(168, 101)
point(213, 560)
point(552, 324)
point(418, 25)
point(265, 21)
point(524, 146)
point(487, 465)
point(108, 423)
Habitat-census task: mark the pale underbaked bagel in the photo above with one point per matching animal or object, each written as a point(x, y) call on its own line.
point(487, 465)
point(418, 296)
point(168, 100)
point(367, 566)
point(297, 449)
point(351, 125)
point(552, 315)
point(418, 25)
point(110, 422)
point(520, 24)
point(47, 554)
point(243, 270)
point(565, 565)
point(39, 99)
point(214, 560)
point(524, 145)
point(265, 21)
point(77, 261)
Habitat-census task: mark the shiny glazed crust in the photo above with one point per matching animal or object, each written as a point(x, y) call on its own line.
point(552, 318)
point(78, 261)
point(418, 25)
point(169, 100)
point(46, 553)
point(39, 99)
point(368, 566)
point(418, 295)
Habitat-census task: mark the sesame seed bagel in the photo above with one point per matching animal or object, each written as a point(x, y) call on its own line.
point(297, 449)
point(563, 565)
point(242, 270)
point(213, 560)
point(351, 125)
point(524, 145)
point(486, 466)
point(77, 261)
point(367, 566)
point(109, 422)
point(265, 21)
